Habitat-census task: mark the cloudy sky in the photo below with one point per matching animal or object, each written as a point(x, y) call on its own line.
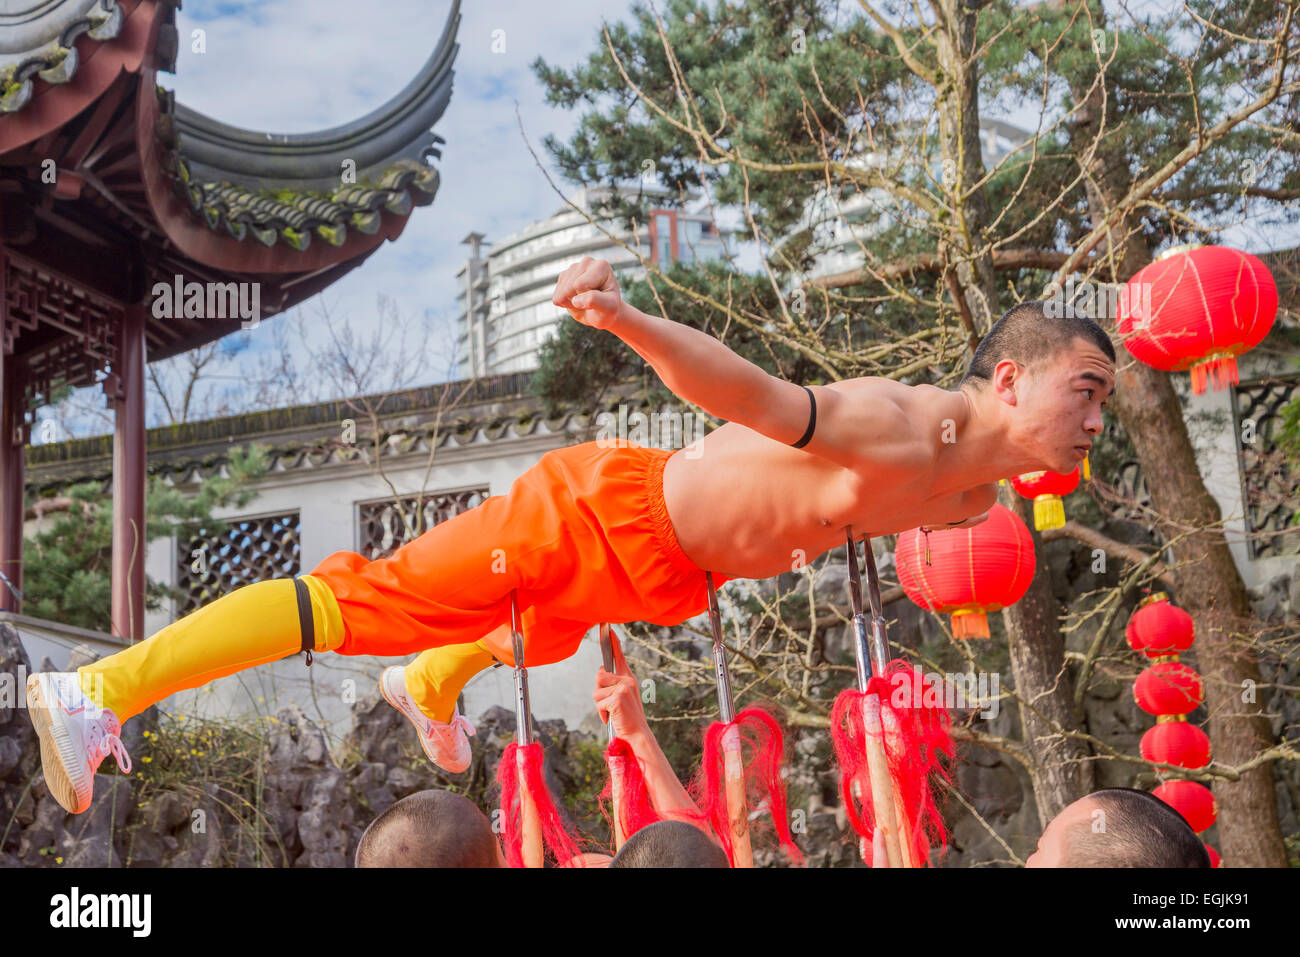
point(301, 65)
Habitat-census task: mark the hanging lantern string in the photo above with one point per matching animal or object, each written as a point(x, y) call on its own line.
point(1170, 690)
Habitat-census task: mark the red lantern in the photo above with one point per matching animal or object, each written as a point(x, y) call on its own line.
point(1168, 688)
point(1198, 307)
point(972, 570)
point(1215, 860)
point(1159, 628)
point(1046, 489)
point(1178, 743)
point(1193, 801)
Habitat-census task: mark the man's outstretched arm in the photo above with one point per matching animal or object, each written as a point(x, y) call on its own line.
point(691, 363)
point(852, 426)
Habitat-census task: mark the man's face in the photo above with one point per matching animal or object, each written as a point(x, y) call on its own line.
point(1061, 402)
point(1052, 845)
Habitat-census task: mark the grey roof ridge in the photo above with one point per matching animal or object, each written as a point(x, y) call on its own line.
point(400, 129)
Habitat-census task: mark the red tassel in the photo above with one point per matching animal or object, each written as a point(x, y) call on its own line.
point(555, 836)
point(638, 811)
point(763, 746)
point(916, 734)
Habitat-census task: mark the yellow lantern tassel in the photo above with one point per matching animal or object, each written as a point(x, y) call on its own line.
point(1049, 512)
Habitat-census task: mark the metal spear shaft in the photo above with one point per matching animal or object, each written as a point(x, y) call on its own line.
point(607, 658)
point(531, 824)
point(720, 672)
point(523, 709)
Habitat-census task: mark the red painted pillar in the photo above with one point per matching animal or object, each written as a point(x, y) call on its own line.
point(129, 478)
point(13, 440)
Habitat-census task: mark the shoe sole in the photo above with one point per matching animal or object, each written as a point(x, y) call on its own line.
point(424, 742)
point(57, 751)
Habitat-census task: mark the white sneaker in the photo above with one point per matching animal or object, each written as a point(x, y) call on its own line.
point(76, 735)
point(445, 743)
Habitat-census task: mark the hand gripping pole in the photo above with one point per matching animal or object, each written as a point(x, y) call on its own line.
point(616, 769)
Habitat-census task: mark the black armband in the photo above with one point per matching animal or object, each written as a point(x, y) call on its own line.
point(812, 421)
point(305, 622)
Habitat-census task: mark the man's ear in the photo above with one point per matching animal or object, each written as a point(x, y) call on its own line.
point(1008, 377)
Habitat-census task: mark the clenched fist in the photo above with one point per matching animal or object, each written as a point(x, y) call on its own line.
point(589, 291)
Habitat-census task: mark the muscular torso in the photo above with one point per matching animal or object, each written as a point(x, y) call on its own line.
point(750, 507)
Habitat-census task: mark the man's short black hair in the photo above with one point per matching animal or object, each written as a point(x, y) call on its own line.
point(429, 829)
point(1138, 830)
point(670, 844)
point(1028, 335)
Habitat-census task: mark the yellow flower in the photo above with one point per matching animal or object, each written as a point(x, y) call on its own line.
point(58, 860)
point(146, 759)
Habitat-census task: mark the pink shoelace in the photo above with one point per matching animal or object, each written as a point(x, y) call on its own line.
point(458, 720)
point(102, 741)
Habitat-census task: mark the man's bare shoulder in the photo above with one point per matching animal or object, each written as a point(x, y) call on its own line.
point(895, 424)
point(925, 408)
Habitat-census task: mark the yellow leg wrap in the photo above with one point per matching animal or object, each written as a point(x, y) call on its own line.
point(435, 679)
point(251, 626)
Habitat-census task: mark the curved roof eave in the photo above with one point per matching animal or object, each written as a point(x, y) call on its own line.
point(40, 41)
point(400, 129)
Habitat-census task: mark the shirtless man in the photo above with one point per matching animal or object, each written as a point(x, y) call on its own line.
point(592, 534)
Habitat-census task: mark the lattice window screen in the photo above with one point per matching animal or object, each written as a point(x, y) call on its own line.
point(1270, 487)
point(382, 530)
point(249, 550)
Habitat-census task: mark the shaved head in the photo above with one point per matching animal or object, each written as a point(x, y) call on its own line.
point(430, 829)
point(1030, 337)
point(1119, 827)
point(670, 844)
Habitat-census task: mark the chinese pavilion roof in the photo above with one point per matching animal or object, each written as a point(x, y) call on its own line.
point(109, 187)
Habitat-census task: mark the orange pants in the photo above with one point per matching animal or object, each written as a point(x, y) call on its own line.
point(583, 537)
